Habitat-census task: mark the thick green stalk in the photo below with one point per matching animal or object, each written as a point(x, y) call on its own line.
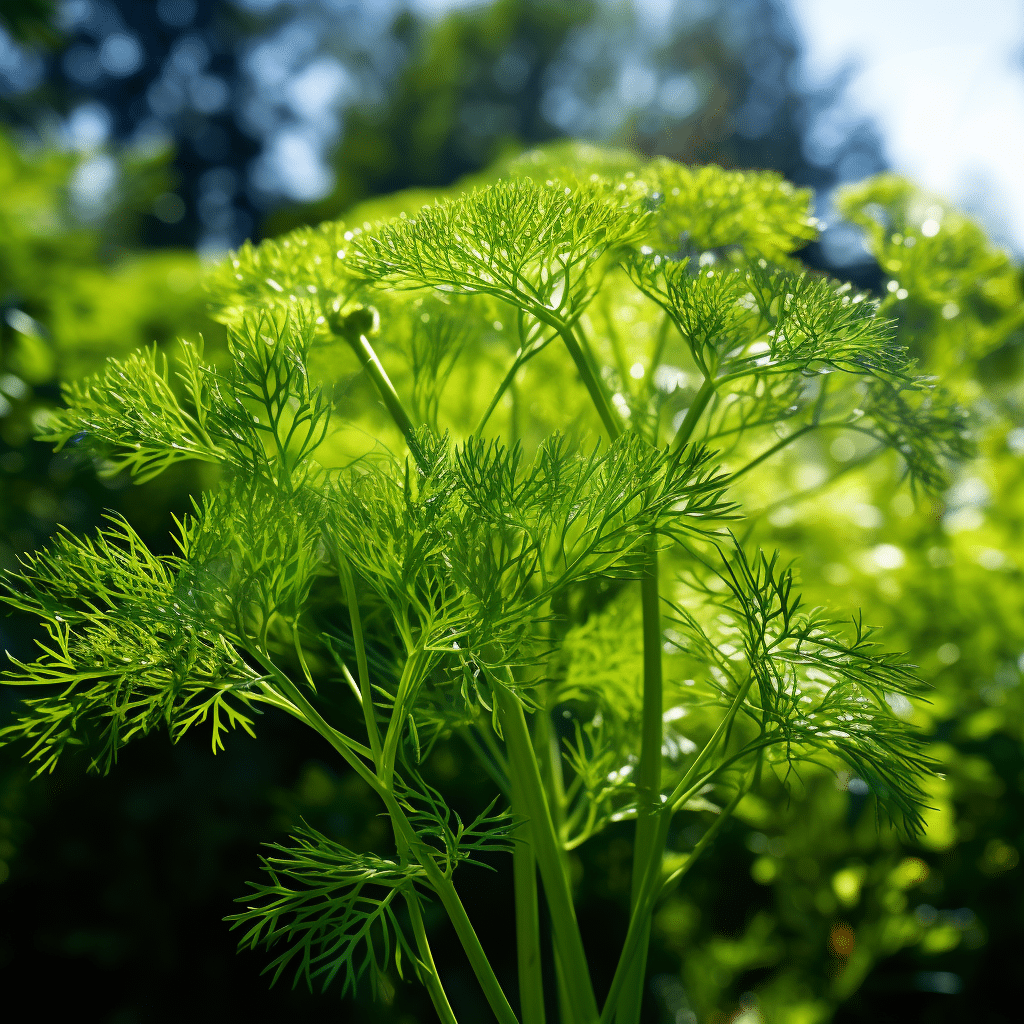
point(433, 982)
point(651, 892)
point(647, 848)
point(639, 923)
point(648, 779)
point(566, 1013)
point(697, 407)
point(524, 870)
point(545, 742)
point(549, 756)
point(525, 770)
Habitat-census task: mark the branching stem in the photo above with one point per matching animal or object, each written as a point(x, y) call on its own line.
point(365, 690)
point(523, 356)
point(651, 892)
point(712, 744)
point(407, 685)
point(442, 885)
point(587, 371)
point(350, 751)
point(705, 841)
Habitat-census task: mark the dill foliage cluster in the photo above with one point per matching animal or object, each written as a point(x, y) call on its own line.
point(481, 472)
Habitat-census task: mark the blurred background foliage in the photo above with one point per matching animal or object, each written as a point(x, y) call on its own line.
point(143, 139)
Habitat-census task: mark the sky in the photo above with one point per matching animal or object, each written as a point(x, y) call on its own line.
point(944, 82)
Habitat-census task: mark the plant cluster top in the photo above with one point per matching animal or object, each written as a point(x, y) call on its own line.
point(450, 440)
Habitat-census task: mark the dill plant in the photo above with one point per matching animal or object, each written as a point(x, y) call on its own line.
point(482, 470)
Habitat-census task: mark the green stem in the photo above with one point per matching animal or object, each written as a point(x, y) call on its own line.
point(405, 837)
point(697, 407)
point(769, 452)
point(566, 1012)
point(588, 373)
point(502, 388)
point(790, 499)
point(705, 841)
point(616, 342)
point(406, 689)
point(754, 747)
point(566, 1015)
point(442, 885)
point(369, 361)
point(365, 691)
point(493, 747)
point(493, 768)
point(549, 756)
point(300, 654)
point(709, 747)
point(527, 781)
point(432, 981)
point(639, 923)
point(645, 847)
point(546, 743)
point(349, 750)
point(651, 744)
point(592, 379)
point(649, 770)
point(531, 979)
point(522, 358)
point(652, 892)
point(659, 348)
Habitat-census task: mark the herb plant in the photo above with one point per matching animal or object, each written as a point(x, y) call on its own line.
point(482, 470)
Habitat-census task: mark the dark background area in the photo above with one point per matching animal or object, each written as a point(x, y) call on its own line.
point(199, 125)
